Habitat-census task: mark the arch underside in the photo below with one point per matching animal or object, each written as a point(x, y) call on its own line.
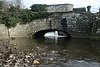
point(41, 33)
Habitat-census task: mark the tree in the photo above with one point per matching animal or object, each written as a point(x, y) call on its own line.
point(11, 14)
point(10, 18)
point(15, 3)
point(39, 8)
point(26, 16)
point(9, 21)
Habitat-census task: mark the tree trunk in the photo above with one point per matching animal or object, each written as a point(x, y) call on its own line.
point(8, 36)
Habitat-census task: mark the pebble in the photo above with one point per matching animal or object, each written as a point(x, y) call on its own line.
point(36, 62)
point(11, 56)
point(51, 59)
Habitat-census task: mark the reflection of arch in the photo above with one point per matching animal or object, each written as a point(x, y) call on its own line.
point(40, 34)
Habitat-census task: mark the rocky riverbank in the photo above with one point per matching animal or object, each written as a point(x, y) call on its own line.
point(42, 56)
point(10, 57)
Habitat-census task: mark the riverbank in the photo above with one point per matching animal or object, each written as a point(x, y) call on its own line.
point(45, 55)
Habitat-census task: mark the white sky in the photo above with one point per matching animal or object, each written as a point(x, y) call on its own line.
point(77, 3)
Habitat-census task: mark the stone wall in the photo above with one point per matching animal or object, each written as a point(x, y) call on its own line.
point(71, 20)
point(60, 8)
point(3, 31)
point(27, 30)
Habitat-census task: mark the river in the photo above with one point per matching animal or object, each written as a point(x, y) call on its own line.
point(63, 53)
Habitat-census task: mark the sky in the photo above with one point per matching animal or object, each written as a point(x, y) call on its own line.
point(95, 4)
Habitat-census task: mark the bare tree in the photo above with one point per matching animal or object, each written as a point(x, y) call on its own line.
point(16, 3)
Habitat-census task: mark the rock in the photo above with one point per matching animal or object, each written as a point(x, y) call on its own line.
point(1, 54)
point(51, 59)
point(36, 62)
point(11, 56)
point(53, 51)
point(15, 44)
point(27, 56)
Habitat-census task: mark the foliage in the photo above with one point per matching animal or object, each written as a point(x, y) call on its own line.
point(27, 15)
point(23, 16)
point(40, 15)
point(39, 8)
point(9, 21)
point(10, 17)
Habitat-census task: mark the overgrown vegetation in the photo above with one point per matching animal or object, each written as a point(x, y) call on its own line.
point(39, 8)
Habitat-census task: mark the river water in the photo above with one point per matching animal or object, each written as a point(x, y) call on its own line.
point(62, 53)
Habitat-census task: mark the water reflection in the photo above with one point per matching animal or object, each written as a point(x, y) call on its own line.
point(63, 50)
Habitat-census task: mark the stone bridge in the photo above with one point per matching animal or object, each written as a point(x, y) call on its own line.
point(29, 29)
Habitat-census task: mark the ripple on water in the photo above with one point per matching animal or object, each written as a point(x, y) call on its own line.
point(74, 63)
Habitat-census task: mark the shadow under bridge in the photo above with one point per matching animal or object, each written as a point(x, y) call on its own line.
point(51, 33)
